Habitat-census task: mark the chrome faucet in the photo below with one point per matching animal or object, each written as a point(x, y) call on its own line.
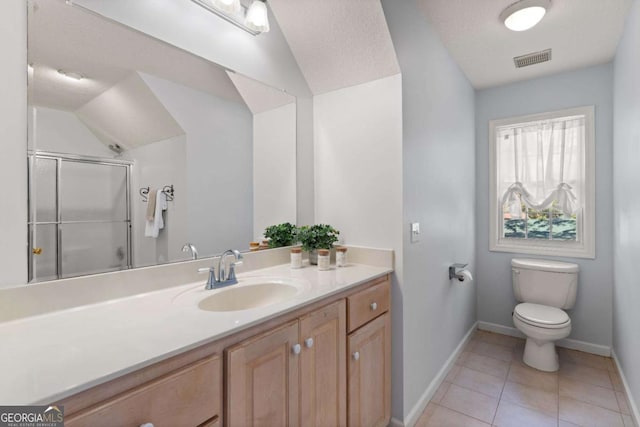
point(189, 247)
point(223, 279)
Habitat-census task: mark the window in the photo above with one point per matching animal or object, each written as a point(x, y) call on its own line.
point(542, 184)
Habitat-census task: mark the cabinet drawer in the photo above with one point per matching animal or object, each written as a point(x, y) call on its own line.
point(188, 396)
point(367, 305)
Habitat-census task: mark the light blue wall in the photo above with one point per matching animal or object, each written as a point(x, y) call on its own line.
point(219, 142)
point(438, 191)
point(592, 316)
point(626, 155)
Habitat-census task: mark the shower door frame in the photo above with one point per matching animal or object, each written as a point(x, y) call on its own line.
point(32, 223)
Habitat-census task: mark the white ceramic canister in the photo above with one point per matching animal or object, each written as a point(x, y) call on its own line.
point(323, 259)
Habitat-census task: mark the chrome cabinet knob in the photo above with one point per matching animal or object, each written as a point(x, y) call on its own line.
point(308, 342)
point(356, 356)
point(146, 425)
point(296, 349)
point(374, 306)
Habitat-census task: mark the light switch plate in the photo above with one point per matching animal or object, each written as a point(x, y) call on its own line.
point(415, 232)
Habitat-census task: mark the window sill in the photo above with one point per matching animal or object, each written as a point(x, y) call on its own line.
point(542, 248)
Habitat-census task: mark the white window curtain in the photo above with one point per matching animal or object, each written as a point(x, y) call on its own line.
point(542, 162)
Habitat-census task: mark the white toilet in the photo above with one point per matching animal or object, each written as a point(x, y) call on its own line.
point(544, 288)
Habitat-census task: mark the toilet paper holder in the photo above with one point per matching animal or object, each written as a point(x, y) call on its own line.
point(454, 271)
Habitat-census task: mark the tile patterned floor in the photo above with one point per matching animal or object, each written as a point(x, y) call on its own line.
point(490, 386)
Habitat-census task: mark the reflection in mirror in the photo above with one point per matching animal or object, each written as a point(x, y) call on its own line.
point(137, 147)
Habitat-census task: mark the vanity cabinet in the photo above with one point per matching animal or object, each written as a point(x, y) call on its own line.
point(292, 375)
point(189, 396)
point(325, 364)
point(370, 374)
point(369, 348)
point(262, 379)
point(323, 372)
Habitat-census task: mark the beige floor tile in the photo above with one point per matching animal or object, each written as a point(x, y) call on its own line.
point(532, 398)
point(585, 374)
point(493, 350)
point(512, 415)
point(616, 381)
point(563, 423)
point(488, 365)
point(518, 354)
point(587, 415)
point(479, 381)
point(498, 339)
point(452, 373)
point(440, 392)
point(471, 403)
point(463, 356)
point(526, 375)
point(439, 416)
point(628, 421)
point(600, 396)
point(582, 358)
point(622, 403)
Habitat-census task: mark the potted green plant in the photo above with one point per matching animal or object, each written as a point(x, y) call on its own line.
point(314, 237)
point(279, 235)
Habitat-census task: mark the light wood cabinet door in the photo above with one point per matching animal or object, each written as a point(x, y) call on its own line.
point(323, 372)
point(262, 379)
point(186, 397)
point(369, 366)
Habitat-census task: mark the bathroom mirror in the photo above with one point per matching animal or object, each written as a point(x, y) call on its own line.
point(118, 119)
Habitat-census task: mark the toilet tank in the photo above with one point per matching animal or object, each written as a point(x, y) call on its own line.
point(545, 282)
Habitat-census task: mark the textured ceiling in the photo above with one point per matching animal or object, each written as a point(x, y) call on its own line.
point(580, 32)
point(69, 38)
point(337, 43)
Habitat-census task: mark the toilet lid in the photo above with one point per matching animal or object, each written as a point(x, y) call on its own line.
point(541, 315)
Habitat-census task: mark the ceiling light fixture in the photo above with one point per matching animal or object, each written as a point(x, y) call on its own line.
point(254, 19)
point(257, 17)
point(228, 6)
point(71, 75)
point(524, 14)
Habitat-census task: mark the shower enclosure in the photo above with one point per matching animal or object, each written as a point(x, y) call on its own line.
point(79, 215)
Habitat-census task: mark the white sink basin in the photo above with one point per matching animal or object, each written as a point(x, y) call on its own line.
point(250, 292)
point(248, 296)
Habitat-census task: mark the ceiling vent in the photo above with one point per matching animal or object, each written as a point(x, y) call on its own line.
point(532, 58)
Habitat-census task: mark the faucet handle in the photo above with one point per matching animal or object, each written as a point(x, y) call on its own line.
point(212, 276)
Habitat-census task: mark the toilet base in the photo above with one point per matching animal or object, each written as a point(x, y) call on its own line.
point(541, 355)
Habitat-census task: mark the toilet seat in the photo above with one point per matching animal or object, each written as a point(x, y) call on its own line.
point(542, 316)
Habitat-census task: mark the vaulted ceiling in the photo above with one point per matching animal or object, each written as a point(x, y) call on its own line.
point(337, 43)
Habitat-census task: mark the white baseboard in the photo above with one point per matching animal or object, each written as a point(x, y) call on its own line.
point(601, 350)
point(419, 407)
point(633, 408)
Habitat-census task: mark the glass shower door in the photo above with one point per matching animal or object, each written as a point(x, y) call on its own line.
point(94, 218)
point(80, 217)
point(43, 228)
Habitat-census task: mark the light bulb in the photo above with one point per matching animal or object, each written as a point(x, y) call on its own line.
point(524, 14)
point(524, 19)
point(257, 17)
point(229, 6)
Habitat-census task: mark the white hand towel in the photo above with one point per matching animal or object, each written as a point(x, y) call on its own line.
point(152, 227)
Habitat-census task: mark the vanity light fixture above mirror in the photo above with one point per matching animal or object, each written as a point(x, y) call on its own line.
point(253, 19)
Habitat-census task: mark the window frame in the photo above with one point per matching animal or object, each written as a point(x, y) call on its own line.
point(585, 232)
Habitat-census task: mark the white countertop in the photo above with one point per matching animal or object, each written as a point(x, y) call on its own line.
point(52, 356)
